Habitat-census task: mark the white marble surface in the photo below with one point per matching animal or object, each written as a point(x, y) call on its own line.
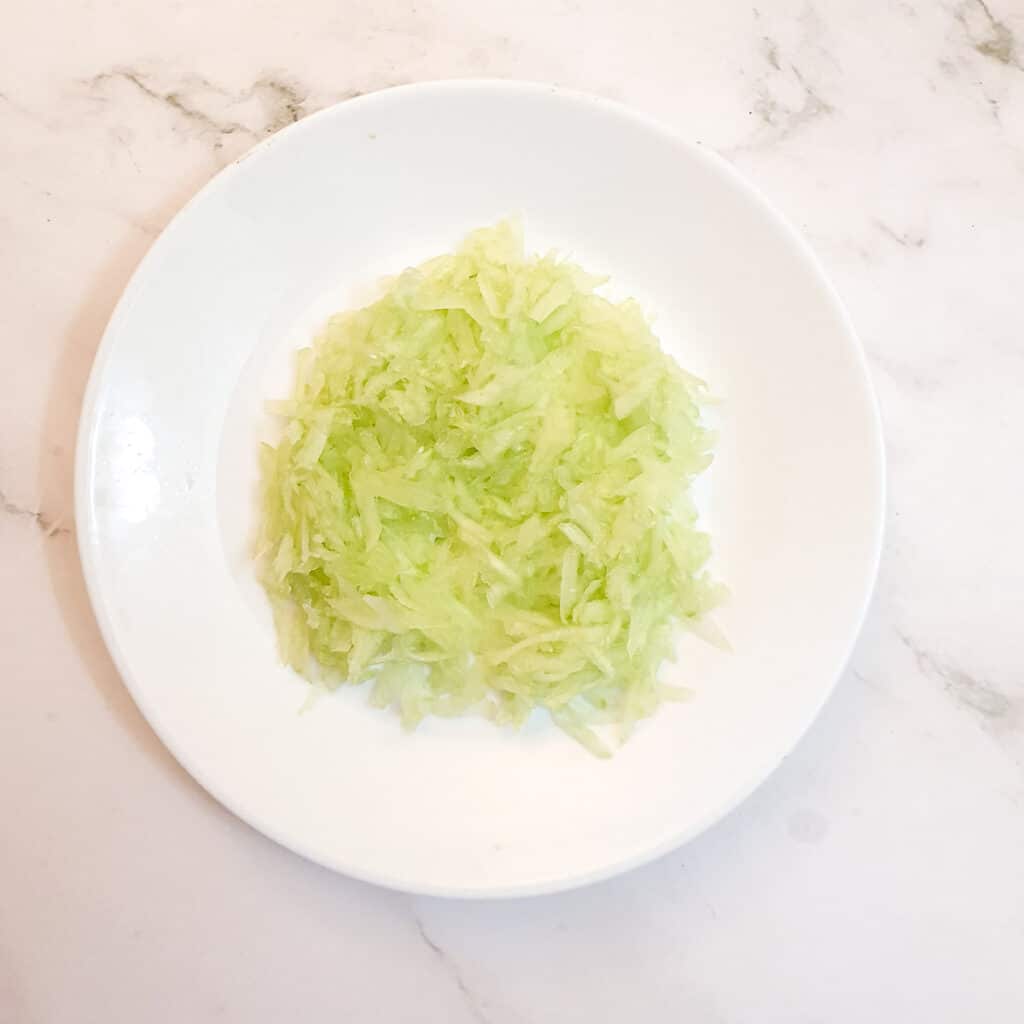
point(879, 875)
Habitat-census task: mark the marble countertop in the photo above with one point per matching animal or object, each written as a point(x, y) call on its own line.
point(879, 874)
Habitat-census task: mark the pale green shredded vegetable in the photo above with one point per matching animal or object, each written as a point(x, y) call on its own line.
point(480, 499)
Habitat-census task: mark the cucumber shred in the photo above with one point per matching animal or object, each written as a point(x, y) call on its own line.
point(480, 499)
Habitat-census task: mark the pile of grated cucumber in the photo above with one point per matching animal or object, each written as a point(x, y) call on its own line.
point(480, 499)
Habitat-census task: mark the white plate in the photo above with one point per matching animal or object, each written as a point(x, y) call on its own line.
point(307, 223)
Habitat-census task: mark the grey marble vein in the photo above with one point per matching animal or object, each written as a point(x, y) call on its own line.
point(285, 102)
point(50, 526)
point(786, 99)
point(974, 693)
point(787, 118)
point(771, 51)
point(8, 102)
point(186, 108)
point(987, 34)
point(905, 239)
point(206, 108)
point(471, 1001)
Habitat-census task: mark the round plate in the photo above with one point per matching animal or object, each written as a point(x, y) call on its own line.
point(166, 473)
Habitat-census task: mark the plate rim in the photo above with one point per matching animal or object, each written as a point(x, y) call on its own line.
point(85, 521)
